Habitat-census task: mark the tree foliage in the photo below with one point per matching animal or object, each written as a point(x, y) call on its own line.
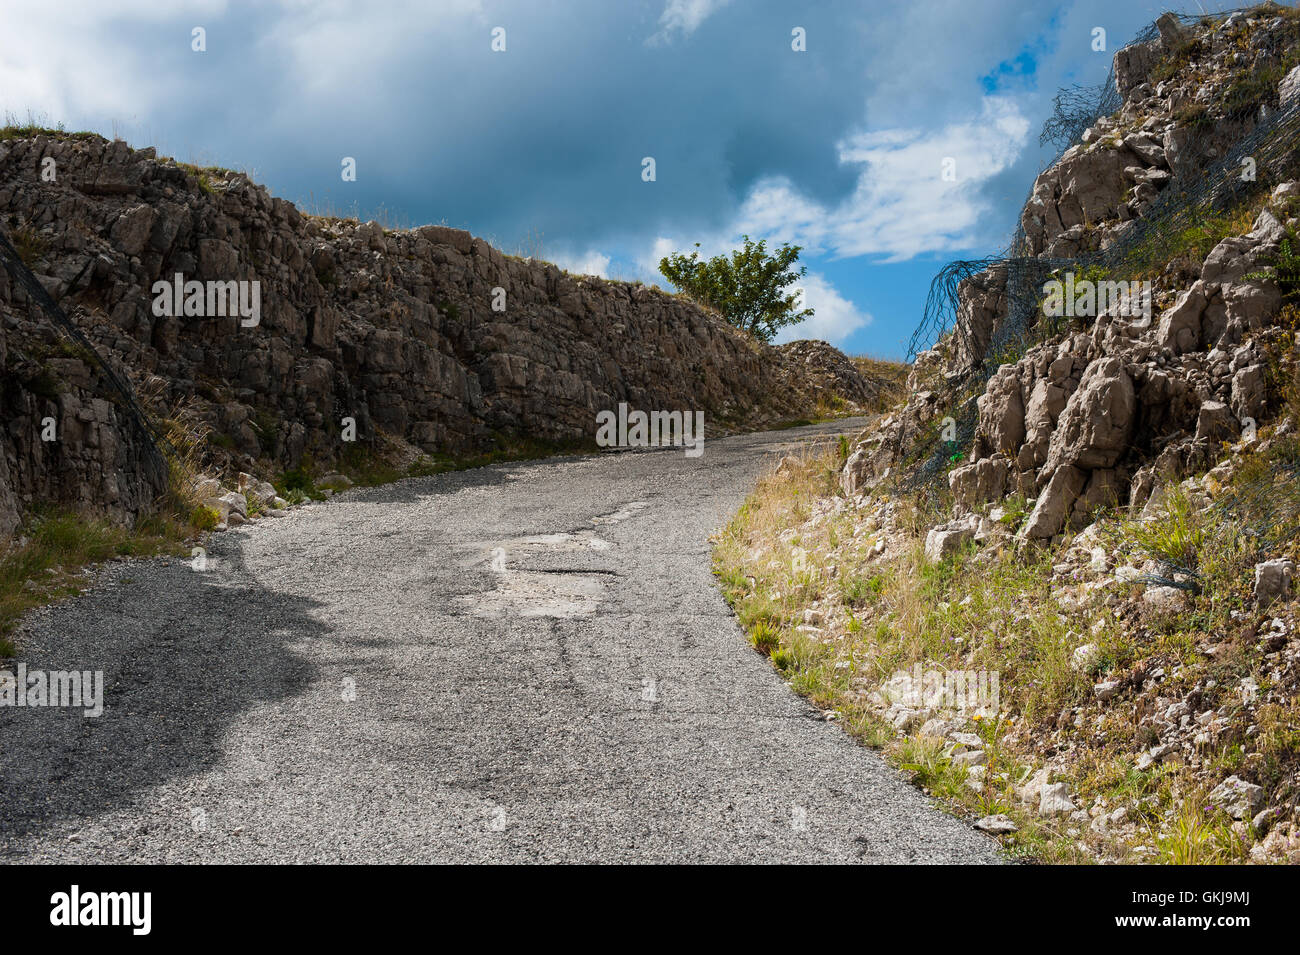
point(748, 287)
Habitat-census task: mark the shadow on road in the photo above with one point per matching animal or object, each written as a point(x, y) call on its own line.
point(183, 656)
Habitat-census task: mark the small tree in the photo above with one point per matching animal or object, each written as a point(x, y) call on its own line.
point(748, 287)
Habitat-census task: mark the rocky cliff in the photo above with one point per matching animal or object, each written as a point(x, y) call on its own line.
point(1187, 195)
point(430, 336)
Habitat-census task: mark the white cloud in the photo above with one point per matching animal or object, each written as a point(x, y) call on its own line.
point(366, 36)
point(834, 319)
point(590, 262)
point(76, 64)
point(683, 17)
point(902, 205)
point(96, 61)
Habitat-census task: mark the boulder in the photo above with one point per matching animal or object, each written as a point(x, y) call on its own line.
point(1106, 690)
point(1094, 428)
point(978, 483)
point(1180, 326)
point(1054, 799)
point(1273, 580)
point(1165, 599)
point(1252, 305)
point(1046, 403)
point(1229, 260)
point(1215, 423)
point(1055, 503)
point(235, 503)
point(1238, 798)
point(263, 492)
point(220, 505)
point(1145, 148)
point(1249, 391)
point(1030, 788)
point(859, 472)
point(947, 539)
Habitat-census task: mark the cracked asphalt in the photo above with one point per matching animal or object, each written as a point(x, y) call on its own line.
point(522, 663)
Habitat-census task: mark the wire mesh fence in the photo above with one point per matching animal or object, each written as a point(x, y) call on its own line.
point(1198, 193)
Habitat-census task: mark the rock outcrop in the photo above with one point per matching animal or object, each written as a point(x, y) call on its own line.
point(67, 437)
point(430, 336)
point(1149, 385)
point(834, 373)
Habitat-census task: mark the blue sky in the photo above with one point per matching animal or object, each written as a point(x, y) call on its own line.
point(839, 148)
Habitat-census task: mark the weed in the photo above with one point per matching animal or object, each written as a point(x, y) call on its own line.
point(1177, 537)
point(1284, 269)
point(58, 545)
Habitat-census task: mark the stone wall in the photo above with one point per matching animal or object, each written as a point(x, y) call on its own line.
point(396, 330)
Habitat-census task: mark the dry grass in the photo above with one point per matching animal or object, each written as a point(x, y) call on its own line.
point(185, 442)
point(796, 546)
point(55, 549)
point(891, 375)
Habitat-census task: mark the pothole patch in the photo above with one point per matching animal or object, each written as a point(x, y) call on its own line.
point(540, 593)
point(582, 540)
point(622, 514)
point(546, 593)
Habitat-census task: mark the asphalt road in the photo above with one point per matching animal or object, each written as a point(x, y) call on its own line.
point(522, 663)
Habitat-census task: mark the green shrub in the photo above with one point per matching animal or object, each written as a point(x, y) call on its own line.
point(858, 591)
point(205, 518)
point(748, 288)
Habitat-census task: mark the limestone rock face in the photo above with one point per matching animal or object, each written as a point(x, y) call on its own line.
point(1100, 407)
point(1289, 88)
point(1082, 188)
point(1133, 65)
point(430, 335)
point(831, 371)
point(1002, 411)
point(1094, 429)
point(981, 303)
point(67, 436)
